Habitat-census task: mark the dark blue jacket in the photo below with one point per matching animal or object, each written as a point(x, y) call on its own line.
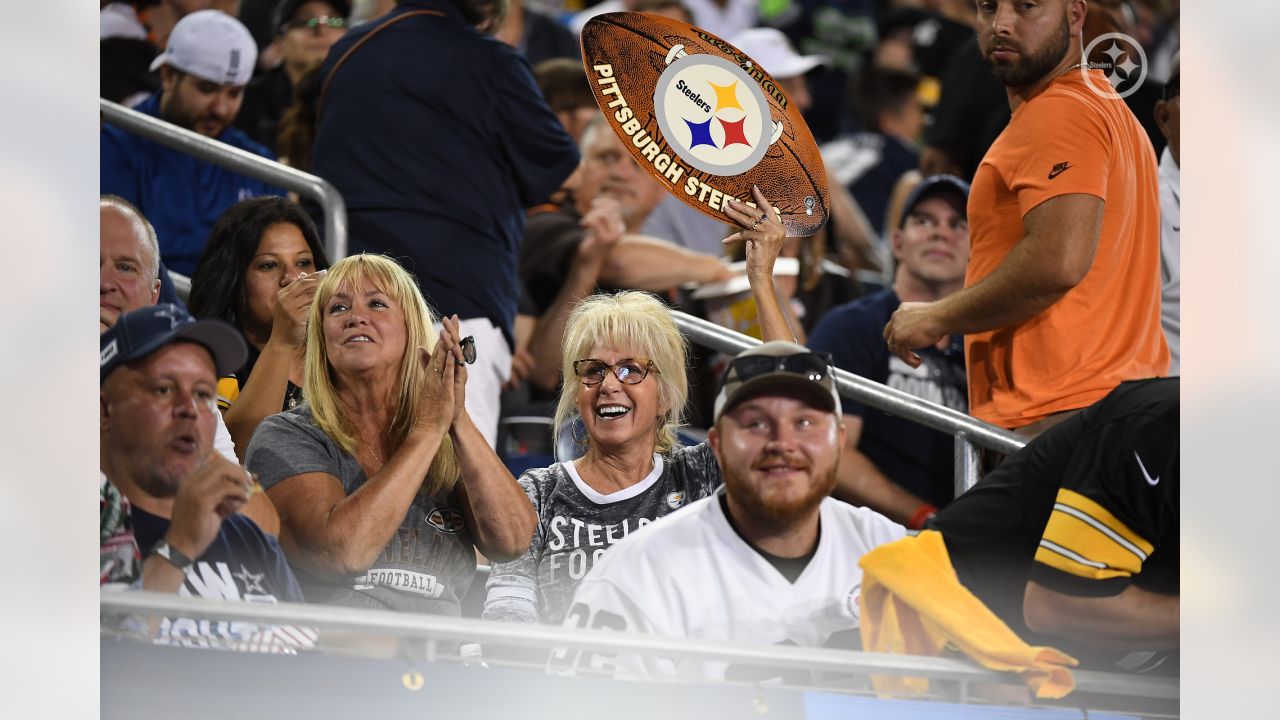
point(918, 458)
point(182, 196)
point(438, 139)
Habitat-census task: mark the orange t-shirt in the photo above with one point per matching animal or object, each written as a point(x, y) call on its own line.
point(1069, 139)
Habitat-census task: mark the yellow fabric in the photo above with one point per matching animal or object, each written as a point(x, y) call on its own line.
point(913, 603)
point(228, 390)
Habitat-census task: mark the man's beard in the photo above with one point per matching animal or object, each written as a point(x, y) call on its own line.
point(186, 121)
point(1033, 66)
point(774, 512)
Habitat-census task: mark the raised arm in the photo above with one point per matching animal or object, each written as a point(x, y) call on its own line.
point(497, 512)
point(1054, 255)
point(335, 535)
point(217, 488)
point(264, 390)
point(764, 235)
point(604, 228)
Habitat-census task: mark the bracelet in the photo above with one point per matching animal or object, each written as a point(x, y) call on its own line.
point(921, 516)
point(173, 555)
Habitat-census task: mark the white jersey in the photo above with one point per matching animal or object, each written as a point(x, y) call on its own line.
point(691, 575)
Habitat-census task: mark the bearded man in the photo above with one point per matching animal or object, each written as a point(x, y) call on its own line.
point(1061, 300)
point(770, 557)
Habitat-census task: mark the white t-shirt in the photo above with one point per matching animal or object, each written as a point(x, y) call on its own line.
point(223, 443)
point(691, 575)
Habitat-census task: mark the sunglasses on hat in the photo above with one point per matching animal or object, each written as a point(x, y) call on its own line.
point(811, 365)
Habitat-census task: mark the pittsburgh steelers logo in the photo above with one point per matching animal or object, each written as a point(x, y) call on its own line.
point(712, 114)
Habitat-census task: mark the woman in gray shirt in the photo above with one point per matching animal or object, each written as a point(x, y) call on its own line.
point(385, 486)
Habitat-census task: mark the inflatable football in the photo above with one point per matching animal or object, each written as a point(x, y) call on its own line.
point(703, 118)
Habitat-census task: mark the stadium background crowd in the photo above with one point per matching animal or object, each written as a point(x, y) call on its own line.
point(895, 92)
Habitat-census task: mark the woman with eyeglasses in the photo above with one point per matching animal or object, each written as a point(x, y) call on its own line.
point(384, 484)
point(623, 366)
point(304, 32)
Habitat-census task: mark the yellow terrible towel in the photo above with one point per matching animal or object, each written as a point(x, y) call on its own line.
point(913, 603)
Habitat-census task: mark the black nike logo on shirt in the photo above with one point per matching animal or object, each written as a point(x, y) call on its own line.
point(1059, 169)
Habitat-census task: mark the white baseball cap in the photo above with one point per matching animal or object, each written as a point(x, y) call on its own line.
point(773, 53)
point(211, 45)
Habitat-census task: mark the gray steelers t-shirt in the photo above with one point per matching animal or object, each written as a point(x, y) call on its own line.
point(576, 525)
point(430, 561)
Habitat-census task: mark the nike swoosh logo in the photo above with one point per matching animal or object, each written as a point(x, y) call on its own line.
point(1152, 481)
point(1059, 169)
point(1177, 228)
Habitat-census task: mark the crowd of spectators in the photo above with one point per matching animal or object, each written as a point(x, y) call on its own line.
point(1003, 242)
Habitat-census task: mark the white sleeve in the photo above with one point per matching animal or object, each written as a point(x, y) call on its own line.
point(222, 441)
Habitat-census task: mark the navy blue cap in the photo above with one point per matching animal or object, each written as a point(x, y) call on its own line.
point(932, 186)
point(139, 333)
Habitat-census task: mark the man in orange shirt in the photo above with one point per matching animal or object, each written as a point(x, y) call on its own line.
point(1062, 295)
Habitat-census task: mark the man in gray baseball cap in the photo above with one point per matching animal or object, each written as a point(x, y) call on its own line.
point(203, 70)
point(769, 558)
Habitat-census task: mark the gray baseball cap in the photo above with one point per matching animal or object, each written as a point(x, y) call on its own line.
point(211, 45)
point(779, 366)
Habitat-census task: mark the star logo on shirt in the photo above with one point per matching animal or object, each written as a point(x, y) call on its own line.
point(252, 581)
point(168, 314)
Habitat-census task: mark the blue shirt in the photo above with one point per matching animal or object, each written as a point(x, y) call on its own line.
point(242, 562)
point(181, 195)
point(919, 459)
point(438, 139)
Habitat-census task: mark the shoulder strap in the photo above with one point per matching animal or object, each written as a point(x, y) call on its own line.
point(324, 90)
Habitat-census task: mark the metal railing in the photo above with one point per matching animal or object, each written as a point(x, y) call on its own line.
point(967, 430)
point(244, 162)
point(439, 631)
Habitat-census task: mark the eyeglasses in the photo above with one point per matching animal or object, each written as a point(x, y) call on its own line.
point(630, 371)
point(315, 23)
point(812, 365)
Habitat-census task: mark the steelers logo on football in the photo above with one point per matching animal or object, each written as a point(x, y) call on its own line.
point(713, 115)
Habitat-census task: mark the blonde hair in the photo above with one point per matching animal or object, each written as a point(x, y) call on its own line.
point(386, 275)
point(635, 320)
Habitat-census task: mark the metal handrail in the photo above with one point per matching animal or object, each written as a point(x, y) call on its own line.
point(436, 627)
point(869, 392)
point(244, 162)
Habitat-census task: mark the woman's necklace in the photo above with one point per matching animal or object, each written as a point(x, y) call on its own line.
point(376, 457)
